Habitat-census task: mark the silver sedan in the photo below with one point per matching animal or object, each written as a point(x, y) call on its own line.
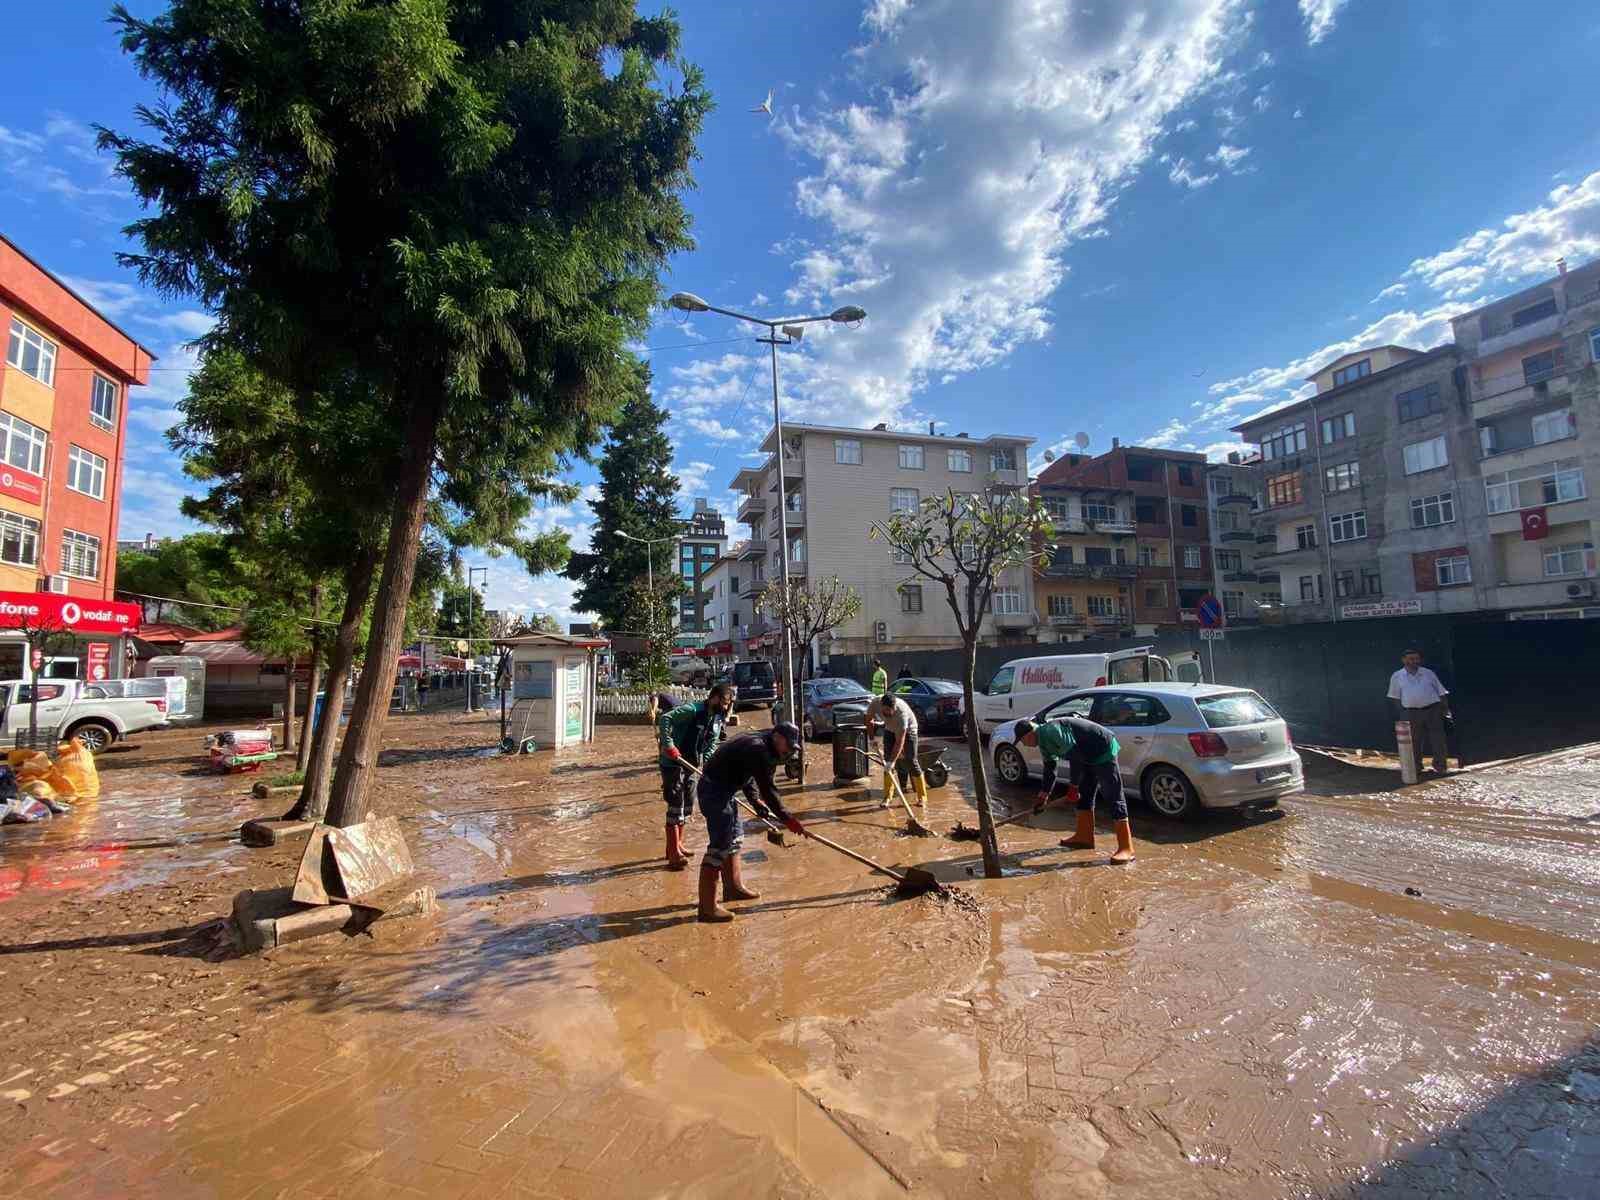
point(1184, 746)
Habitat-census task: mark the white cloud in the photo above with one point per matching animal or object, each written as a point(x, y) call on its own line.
point(714, 429)
point(61, 164)
point(1262, 100)
point(1319, 17)
point(150, 499)
point(1526, 245)
point(1229, 157)
point(1299, 113)
point(1184, 174)
point(1185, 125)
point(1389, 293)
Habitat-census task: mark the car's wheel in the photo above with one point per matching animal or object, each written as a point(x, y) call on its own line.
point(94, 735)
point(1010, 765)
point(1168, 791)
point(938, 775)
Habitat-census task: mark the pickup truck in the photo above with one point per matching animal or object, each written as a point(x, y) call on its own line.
point(96, 721)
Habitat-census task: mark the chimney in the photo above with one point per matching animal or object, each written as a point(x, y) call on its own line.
point(881, 427)
point(1116, 443)
point(1233, 457)
point(930, 428)
point(1561, 265)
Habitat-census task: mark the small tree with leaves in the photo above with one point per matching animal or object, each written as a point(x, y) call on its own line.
point(963, 543)
point(649, 614)
point(808, 612)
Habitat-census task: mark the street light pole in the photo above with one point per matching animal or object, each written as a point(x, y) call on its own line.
point(649, 562)
point(791, 327)
point(471, 673)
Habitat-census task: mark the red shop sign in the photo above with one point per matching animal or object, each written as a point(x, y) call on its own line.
point(22, 485)
point(70, 614)
point(99, 660)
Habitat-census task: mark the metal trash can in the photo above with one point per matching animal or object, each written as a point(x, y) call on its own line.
point(849, 749)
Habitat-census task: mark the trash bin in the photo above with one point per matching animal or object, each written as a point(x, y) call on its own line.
point(849, 749)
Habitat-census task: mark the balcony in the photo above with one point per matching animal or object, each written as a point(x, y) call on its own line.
point(1090, 571)
point(1067, 621)
point(793, 518)
point(1236, 498)
point(1267, 539)
point(1543, 328)
point(1240, 577)
point(751, 511)
point(1104, 623)
point(1015, 620)
point(1545, 381)
point(755, 549)
point(1118, 526)
point(1061, 525)
point(1238, 535)
point(752, 589)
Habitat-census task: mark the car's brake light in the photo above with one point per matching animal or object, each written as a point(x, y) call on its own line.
point(161, 705)
point(1208, 745)
point(1100, 681)
point(1288, 738)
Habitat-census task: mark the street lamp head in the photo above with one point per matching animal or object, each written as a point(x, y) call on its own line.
point(847, 315)
point(688, 302)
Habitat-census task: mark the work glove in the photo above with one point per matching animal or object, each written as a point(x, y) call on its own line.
point(792, 824)
point(762, 811)
point(674, 753)
point(1072, 793)
point(1044, 798)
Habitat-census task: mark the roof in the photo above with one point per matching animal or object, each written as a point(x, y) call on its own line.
point(224, 654)
point(571, 641)
point(1533, 291)
point(233, 633)
point(1272, 414)
point(1172, 689)
point(1358, 355)
point(898, 435)
point(57, 280)
point(168, 632)
point(1064, 473)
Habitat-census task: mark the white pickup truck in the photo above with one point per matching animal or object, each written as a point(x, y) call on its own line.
point(97, 721)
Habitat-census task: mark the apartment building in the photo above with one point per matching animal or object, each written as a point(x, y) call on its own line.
point(1233, 497)
point(1084, 589)
point(699, 546)
point(1169, 542)
point(1533, 376)
point(1367, 489)
point(837, 482)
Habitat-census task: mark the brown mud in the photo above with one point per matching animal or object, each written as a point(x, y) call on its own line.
point(1256, 1008)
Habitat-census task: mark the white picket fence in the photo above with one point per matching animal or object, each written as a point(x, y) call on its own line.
point(622, 704)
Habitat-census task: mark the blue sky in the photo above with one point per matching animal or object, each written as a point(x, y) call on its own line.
point(1143, 218)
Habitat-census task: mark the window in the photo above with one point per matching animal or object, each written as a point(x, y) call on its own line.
point(1221, 485)
point(733, 588)
point(959, 460)
point(30, 352)
point(103, 403)
point(1059, 606)
point(1186, 474)
point(1453, 570)
point(1357, 370)
point(911, 458)
point(1310, 587)
point(1227, 520)
point(1305, 537)
point(1122, 556)
point(1058, 510)
point(1007, 601)
point(1233, 603)
point(1594, 344)
point(1347, 527)
point(1149, 556)
point(797, 550)
point(903, 500)
point(1121, 710)
point(1539, 367)
point(1426, 456)
point(1094, 510)
point(1102, 606)
point(1554, 426)
point(1534, 312)
point(847, 452)
point(1371, 581)
point(1291, 439)
point(1155, 596)
point(1003, 460)
point(1341, 478)
point(1336, 429)
point(1528, 487)
point(1191, 557)
point(21, 444)
point(1229, 560)
point(80, 554)
point(1564, 560)
point(1000, 685)
point(1344, 584)
point(1271, 596)
point(911, 598)
point(19, 540)
point(1144, 470)
point(1419, 402)
point(1283, 489)
point(1097, 556)
point(1147, 512)
point(1189, 515)
point(1428, 511)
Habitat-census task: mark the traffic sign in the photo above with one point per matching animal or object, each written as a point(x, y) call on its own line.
point(1209, 610)
point(1212, 635)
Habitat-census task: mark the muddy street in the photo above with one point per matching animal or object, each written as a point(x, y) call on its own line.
point(1373, 992)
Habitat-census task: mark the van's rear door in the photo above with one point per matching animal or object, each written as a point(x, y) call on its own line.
point(1185, 667)
point(1129, 666)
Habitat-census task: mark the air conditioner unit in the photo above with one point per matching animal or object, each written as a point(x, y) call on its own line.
point(54, 583)
point(1580, 591)
point(880, 631)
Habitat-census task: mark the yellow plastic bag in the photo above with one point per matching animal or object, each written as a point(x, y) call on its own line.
point(15, 758)
point(75, 765)
point(39, 789)
point(33, 764)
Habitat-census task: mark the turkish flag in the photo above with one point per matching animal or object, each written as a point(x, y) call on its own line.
point(1535, 524)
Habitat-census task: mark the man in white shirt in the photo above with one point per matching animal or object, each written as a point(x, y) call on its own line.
point(1417, 696)
point(899, 723)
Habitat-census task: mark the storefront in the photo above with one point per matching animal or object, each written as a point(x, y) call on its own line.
point(46, 635)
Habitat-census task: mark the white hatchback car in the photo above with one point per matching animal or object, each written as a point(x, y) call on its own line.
point(1184, 746)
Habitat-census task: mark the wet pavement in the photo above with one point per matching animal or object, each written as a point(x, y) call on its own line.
point(1257, 1007)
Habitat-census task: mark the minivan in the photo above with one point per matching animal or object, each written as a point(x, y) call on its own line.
point(756, 680)
point(1025, 685)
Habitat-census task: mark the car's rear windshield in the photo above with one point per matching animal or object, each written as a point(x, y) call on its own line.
point(755, 672)
point(945, 687)
point(1236, 708)
point(839, 687)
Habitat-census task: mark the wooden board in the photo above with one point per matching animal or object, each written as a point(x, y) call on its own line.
point(368, 857)
point(312, 879)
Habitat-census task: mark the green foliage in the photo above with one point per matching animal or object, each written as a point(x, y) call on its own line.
point(810, 611)
point(650, 614)
point(638, 497)
point(455, 605)
point(198, 568)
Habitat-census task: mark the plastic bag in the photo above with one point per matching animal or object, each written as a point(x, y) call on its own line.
point(41, 790)
point(75, 764)
point(34, 764)
point(15, 758)
point(24, 810)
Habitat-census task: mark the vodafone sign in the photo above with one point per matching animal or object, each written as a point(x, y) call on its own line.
point(22, 485)
point(45, 610)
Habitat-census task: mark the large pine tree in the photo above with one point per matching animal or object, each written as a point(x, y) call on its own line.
point(638, 496)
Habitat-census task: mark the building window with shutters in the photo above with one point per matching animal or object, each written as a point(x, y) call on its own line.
point(911, 458)
point(910, 598)
point(19, 540)
point(80, 554)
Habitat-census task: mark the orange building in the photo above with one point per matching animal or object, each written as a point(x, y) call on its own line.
point(63, 422)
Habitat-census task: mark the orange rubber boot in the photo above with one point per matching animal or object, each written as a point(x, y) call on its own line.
point(1083, 839)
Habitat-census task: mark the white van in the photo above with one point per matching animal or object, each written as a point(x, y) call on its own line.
point(1025, 685)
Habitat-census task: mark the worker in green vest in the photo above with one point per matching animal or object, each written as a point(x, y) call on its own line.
point(880, 678)
point(1090, 751)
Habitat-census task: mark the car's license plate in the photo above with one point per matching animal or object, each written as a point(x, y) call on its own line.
point(1274, 775)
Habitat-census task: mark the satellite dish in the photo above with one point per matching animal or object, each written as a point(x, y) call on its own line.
point(1083, 441)
point(1049, 456)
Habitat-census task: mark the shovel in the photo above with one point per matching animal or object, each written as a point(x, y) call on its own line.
point(775, 832)
point(965, 833)
point(912, 824)
point(913, 882)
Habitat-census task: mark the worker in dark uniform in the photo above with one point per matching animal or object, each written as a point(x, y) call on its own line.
point(738, 764)
point(1090, 751)
point(687, 733)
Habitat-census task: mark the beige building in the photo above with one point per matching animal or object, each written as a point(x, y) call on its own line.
point(839, 481)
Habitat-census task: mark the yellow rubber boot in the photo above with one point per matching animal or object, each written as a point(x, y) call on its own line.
point(921, 785)
point(888, 789)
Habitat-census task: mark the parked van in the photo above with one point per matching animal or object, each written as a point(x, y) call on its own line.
point(1025, 685)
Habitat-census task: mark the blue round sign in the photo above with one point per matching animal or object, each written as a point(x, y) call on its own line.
point(1209, 610)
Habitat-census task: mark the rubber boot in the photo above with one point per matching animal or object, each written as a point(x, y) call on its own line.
point(710, 910)
point(921, 785)
point(1124, 852)
point(677, 860)
point(1083, 839)
point(733, 887)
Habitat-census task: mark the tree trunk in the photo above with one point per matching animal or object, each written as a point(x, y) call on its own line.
point(313, 802)
point(980, 780)
point(349, 799)
point(288, 708)
point(306, 722)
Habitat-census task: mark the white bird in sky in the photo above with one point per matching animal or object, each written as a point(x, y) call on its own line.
point(765, 106)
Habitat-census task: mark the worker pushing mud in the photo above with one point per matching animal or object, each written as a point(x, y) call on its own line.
point(899, 723)
point(1090, 751)
point(743, 764)
point(687, 733)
